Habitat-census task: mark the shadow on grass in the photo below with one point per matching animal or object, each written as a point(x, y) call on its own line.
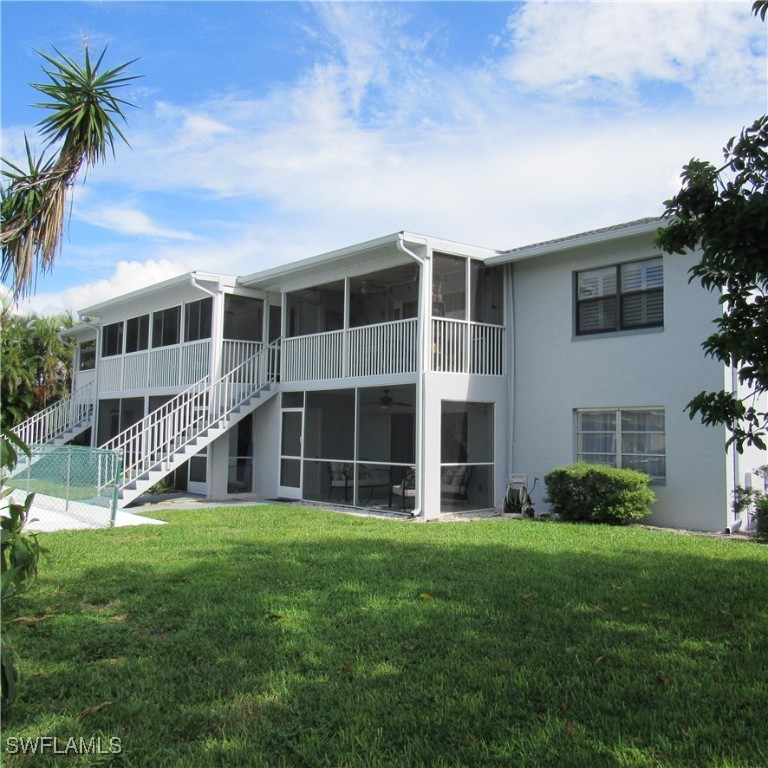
point(364, 647)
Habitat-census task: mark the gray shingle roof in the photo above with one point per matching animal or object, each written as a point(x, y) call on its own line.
point(647, 224)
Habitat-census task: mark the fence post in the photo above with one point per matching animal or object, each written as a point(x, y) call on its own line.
point(115, 489)
point(69, 478)
point(29, 469)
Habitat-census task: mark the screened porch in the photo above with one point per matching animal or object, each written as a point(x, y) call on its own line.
point(369, 325)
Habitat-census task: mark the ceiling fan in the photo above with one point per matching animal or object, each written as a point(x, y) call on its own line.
point(385, 402)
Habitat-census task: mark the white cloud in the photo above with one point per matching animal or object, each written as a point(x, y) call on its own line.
point(129, 221)
point(127, 276)
point(583, 50)
point(379, 136)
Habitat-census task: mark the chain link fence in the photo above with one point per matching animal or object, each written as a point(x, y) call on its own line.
point(76, 483)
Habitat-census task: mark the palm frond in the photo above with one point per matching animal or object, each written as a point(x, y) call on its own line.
point(84, 109)
point(84, 120)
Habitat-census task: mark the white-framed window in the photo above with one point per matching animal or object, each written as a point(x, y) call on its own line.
point(112, 339)
point(166, 327)
point(137, 333)
point(620, 297)
point(87, 358)
point(198, 319)
point(631, 438)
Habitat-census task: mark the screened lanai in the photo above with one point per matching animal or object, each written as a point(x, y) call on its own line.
point(357, 444)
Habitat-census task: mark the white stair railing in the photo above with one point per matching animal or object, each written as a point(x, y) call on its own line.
point(57, 418)
point(151, 442)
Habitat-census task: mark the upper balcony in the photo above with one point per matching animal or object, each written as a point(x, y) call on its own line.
point(370, 325)
point(377, 310)
point(171, 348)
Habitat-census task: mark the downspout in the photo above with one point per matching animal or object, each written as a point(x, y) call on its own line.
point(420, 447)
point(216, 342)
point(734, 525)
point(214, 359)
point(511, 374)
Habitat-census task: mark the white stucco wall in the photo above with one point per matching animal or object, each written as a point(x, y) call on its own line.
point(266, 448)
point(556, 373)
point(458, 387)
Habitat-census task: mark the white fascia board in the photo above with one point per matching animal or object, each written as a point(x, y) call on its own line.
point(277, 277)
point(577, 241)
point(95, 310)
point(463, 249)
point(327, 267)
point(82, 329)
point(351, 260)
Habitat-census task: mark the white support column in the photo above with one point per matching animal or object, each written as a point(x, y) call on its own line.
point(217, 336)
point(425, 425)
point(218, 467)
point(345, 338)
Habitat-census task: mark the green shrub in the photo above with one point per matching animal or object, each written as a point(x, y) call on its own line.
point(761, 517)
point(598, 494)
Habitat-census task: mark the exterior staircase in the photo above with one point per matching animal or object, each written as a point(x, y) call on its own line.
point(169, 436)
point(61, 422)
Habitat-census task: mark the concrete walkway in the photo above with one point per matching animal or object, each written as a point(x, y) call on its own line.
point(48, 520)
point(46, 514)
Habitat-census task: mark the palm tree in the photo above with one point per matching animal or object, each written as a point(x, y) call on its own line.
point(37, 363)
point(83, 122)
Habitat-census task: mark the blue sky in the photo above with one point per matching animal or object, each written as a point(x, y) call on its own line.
point(271, 131)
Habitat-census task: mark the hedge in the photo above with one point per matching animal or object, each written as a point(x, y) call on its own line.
point(598, 493)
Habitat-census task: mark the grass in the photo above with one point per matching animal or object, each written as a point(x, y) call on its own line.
point(282, 636)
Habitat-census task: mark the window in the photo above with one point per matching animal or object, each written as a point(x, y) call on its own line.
point(620, 297)
point(449, 286)
point(628, 438)
point(316, 310)
point(384, 296)
point(197, 319)
point(137, 333)
point(112, 339)
point(87, 355)
point(165, 327)
point(486, 293)
point(243, 318)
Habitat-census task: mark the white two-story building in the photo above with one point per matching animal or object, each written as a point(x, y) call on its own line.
point(412, 374)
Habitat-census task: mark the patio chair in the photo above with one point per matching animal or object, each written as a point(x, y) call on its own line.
point(372, 478)
point(406, 488)
point(342, 476)
point(453, 480)
point(339, 476)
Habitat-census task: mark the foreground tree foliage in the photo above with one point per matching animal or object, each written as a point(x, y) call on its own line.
point(724, 212)
point(83, 124)
point(36, 363)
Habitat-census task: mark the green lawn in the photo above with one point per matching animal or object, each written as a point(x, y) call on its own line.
point(271, 636)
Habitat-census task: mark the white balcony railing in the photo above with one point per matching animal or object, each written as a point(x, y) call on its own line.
point(385, 348)
point(371, 350)
point(460, 347)
point(391, 348)
point(235, 352)
point(314, 357)
point(172, 366)
point(486, 349)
